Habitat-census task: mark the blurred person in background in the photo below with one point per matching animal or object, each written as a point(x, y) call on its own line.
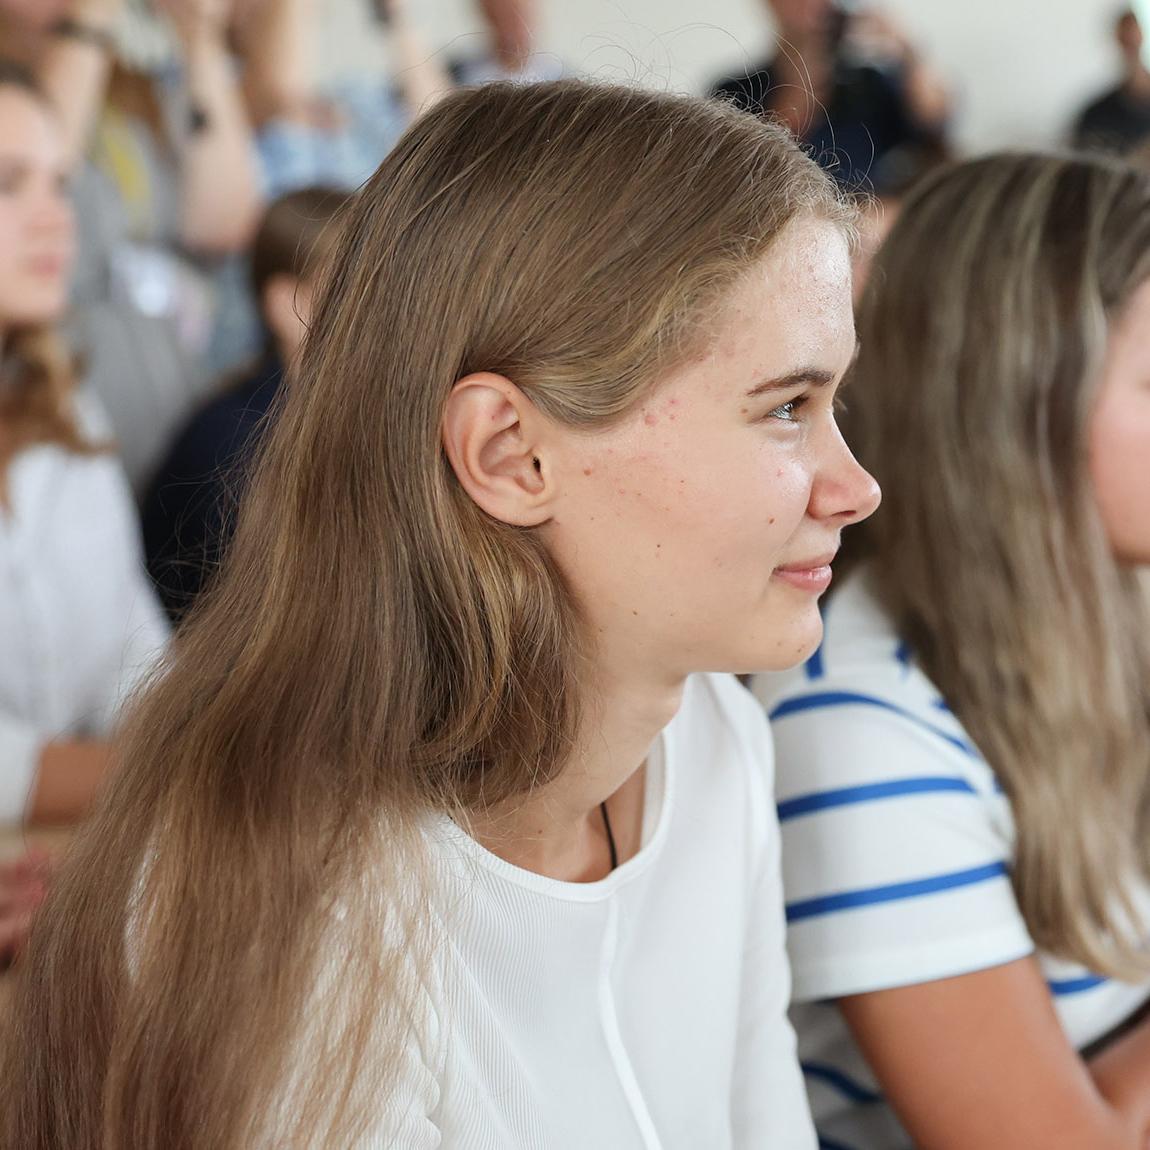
point(1119, 119)
point(510, 53)
point(851, 85)
point(333, 133)
point(167, 190)
point(964, 766)
point(79, 623)
point(190, 508)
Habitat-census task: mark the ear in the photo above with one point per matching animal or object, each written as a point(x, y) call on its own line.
point(493, 435)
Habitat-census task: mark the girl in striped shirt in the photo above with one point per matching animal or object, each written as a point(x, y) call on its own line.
point(964, 766)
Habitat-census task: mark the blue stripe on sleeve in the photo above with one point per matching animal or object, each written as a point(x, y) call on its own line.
point(827, 699)
point(837, 1080)
point(870, 792)
point(893, 892)
point(1076, 985)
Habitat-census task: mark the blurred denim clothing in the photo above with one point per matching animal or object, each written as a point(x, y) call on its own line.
point(366, 121)
point(155, 323)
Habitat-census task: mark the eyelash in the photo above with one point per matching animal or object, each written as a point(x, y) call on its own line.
point(786, 412)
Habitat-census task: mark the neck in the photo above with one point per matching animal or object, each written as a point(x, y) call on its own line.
point(558, 830)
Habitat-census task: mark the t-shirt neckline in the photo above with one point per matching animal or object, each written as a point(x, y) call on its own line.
point(658, 801)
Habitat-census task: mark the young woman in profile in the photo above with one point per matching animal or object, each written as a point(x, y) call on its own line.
point(964, 766)
point(430, 834)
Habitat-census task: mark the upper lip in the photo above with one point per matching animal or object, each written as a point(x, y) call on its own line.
point(823, 560)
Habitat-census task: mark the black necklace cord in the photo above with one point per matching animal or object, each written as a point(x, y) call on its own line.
point(610, 836)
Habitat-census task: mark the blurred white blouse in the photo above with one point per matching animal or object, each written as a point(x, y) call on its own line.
point(79, 621)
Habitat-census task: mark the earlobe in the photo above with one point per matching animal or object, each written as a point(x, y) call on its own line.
point(490, 433)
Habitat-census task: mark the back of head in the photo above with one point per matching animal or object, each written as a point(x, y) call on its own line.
point(295, 235)
point(377, 648)
point(983, 333)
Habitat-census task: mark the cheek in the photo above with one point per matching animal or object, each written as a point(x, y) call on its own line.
point(750, 501)
point(726, 507)
point(1120, 471)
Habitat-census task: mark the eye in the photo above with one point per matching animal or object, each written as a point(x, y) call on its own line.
point(788, 412)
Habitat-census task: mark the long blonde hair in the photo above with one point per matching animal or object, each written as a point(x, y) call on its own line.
point(376, 647)
point(982, 339)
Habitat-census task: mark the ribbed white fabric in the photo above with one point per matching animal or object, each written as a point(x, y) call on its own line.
point(79, 622)
point(646, 1011)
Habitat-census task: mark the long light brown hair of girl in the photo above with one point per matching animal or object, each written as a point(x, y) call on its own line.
point(37, 370)
point(233, 957)
point(982, 340)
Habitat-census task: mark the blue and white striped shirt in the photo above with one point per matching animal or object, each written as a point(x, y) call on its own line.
point(897, 844)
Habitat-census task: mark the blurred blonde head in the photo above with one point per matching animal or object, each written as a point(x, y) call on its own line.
point(984, 334)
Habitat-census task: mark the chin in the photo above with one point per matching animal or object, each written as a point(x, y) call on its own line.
point(38, 310)
point(780, 650)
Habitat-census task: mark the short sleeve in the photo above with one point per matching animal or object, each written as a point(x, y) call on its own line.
point(896, 848)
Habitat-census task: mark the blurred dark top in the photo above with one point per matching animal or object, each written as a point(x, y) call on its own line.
point(189, 510)
point(1116, 122)
point(866, 132)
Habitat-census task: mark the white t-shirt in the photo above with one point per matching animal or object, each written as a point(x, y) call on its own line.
point(79, 621)
point(646, 1011)
point(897, 843)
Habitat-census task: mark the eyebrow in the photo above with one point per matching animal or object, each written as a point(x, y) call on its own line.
point(800, 377)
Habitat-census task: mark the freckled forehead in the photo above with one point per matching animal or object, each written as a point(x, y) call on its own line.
point(796, 303)
point(811, 258)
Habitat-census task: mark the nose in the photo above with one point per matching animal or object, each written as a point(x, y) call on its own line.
point(844, 492)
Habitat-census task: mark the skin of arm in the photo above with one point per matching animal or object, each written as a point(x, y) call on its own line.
point(927, 97)
point(23, 881)
point(926, 93)
point(73, 72)
point(220, 190)
point(279, 75)
point(981, 1060)
point(70, 773)
point(280, 80)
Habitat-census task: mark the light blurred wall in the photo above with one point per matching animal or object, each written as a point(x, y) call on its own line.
point(1019, 68)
